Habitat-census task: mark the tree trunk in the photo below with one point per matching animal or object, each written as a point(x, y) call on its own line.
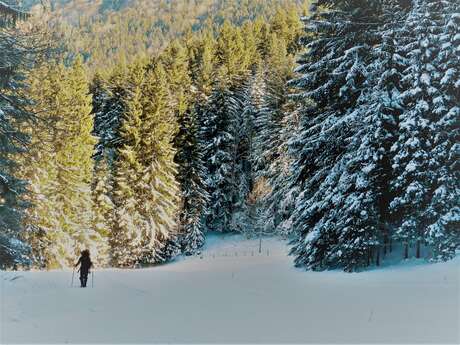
point(391, 245)
point(406, 251)
point(417, 254)
point(377, 260)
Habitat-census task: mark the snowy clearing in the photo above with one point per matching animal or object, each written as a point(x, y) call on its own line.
point(233, 294)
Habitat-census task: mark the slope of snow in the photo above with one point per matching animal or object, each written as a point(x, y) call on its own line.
point(233, 294)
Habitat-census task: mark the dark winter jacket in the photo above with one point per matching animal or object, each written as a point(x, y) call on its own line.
point(85, 263)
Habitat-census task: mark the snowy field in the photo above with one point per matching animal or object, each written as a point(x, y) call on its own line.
point(233, 294)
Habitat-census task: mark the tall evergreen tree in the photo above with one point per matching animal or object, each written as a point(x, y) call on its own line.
point(330, 230)
point(426, 186)
point(126, 238)
point(158, 189)
point(61, 169)
point(108, 107)
point(103, 206)
point(146, 192)
point(191, 173)
point(273, 125)
point(219, 140)
point(16, 53)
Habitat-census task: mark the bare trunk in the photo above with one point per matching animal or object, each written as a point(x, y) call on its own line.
point(417, 254)
point(377, 260)
point(406, 250)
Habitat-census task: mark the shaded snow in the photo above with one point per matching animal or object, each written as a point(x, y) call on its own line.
point(233, 294)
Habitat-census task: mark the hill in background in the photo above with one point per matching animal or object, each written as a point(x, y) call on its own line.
point(108, 31)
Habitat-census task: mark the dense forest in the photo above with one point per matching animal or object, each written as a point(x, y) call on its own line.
point(106, 32)
point(134, 129)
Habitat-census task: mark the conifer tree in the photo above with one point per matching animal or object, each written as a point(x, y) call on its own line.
point(191, 172)
point(188, 156)
point(17, 52)
point(126, 237)
point(102, 203)
point(108, 106)
point(426, 183)
point(146, 193)
point(75, 164)
point(230, 54)
point(333, 73)
point(242, 166)
point(62, 168)
point(202, 62)
point(158, 189)
point(40, 169)
point(273, 126)
point(219, 140)
point(190, 165)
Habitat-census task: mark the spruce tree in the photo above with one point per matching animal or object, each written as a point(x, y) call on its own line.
point(146, 193)
point(40, 169)
point(243, 126)
point(426, 184)
point(17, 53)
point(191, 171)
point(274, 124)
point(330, 230)
point(108, 106)
point(188, 156)
point(230, 54)
point(201, 61)
point(158, 189)
point(103, 206)
point(126, 237)
point(61, 169)
point(217, 133)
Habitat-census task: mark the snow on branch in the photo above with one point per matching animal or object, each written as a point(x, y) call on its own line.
point(9, 14)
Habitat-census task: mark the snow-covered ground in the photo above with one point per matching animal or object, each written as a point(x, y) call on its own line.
point(233, 294)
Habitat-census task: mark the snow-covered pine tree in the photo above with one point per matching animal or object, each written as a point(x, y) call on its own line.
point(108, 108)
point(217, 132)
point(426, 152)
point(60, 168)
point(330, 229)
point(126, 236)
point(75, 167)
point(189, 158)
point(10, 13)
point(242, 172)
point(443, 235)
point(16, 53)
point(274, 125)
point(39, 168)
point(381, 106)
point(157, 188)
point(146, 194)
point(247, 209)
point(103, 206)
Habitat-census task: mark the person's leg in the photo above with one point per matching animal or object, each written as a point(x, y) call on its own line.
point(85, 278)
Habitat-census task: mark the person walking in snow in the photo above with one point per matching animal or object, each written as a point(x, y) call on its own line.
point(85, 264)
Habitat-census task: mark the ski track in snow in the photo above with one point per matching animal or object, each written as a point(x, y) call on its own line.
point(233, 294)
